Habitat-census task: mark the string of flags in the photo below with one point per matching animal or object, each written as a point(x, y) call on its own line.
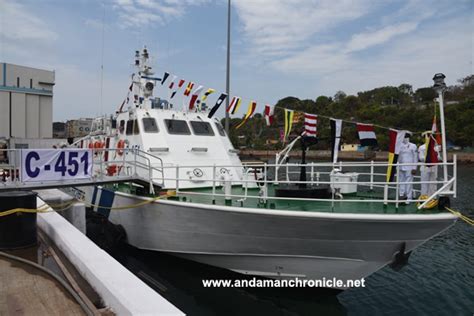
point(366, 132)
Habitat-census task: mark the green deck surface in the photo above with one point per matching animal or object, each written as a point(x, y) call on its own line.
point(307, 206)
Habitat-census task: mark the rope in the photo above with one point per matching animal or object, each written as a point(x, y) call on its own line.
point(463, 217)
point(61, 207)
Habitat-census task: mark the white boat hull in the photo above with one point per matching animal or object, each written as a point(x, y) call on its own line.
point(273, 243)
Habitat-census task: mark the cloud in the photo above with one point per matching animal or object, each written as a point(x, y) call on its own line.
point(279, 27)
point(365, 40)
point(19, 24)
point(135, 13)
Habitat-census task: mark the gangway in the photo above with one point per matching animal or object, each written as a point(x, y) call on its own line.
point(35, 169)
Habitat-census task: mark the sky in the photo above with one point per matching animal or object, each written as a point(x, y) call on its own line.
point(279, 48)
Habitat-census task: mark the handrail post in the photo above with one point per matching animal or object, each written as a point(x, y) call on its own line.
point(177, 178)
point(371, 175)
point(455, 174)
point(214, 184)
point(265, 187)
point(312, 173)
point(397, 190)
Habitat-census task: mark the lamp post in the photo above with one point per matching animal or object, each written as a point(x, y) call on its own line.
point(440, 86)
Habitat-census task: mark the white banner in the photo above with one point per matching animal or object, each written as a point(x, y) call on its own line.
point(55, 164)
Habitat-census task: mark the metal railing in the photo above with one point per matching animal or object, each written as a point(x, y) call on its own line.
point(319, 174)
point(108, 165)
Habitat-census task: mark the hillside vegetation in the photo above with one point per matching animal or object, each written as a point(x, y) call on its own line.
point(396, 107)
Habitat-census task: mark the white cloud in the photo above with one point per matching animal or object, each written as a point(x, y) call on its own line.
point(19, 24)
point(365, 40)
point(134, 13)
point(277, 27)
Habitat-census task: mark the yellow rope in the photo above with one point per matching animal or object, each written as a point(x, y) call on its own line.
point(463, 217)
point(61, 207)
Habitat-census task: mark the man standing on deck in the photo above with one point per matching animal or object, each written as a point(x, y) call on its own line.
point(428, 172)
point(408, 154)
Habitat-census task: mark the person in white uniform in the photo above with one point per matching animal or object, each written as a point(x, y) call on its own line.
point(408, 154)
point(428, 173)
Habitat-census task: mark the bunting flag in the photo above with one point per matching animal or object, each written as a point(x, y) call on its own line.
point(288, 123)
point(165, 76)
point(180, 84)
point(172, 82)
point(310, 124)
point(217, 105)
point(366, 135)
point(336, 129)
point(189, 87)
point(250, 110)
point(194, 97)
point(202, 104)
point(395, 142)
point(431, 156)
point(268, 114)
point(234, 105)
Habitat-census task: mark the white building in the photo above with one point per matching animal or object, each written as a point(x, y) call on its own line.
point(26, 102)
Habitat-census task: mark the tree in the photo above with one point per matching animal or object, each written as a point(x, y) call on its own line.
point(339, 96)
point(405, 88)
point(425, 95)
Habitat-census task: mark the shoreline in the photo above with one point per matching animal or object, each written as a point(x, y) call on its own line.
point(462, 157)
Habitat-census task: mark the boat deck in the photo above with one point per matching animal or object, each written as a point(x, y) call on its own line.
point(204, 196)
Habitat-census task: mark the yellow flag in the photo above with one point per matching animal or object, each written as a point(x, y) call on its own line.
point(288, 122)
point(251, 109)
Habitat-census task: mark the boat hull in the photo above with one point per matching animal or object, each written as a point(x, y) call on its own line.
point(273, 243)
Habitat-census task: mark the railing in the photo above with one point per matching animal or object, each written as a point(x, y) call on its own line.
point(107, 165)
point(320, 174)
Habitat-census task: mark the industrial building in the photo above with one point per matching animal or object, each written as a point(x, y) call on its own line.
point(26, 102)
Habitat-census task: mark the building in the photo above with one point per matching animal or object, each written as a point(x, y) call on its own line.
point(78, 128)
point(26, 102)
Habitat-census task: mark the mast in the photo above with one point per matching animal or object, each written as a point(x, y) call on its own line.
point(227, 82)
point(440, 87)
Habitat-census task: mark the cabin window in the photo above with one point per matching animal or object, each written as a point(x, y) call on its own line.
point(149, 125)
point(122, 126)
point(136, 129)
point(129, 130)
point(177, 127)
point(220, 129)
point(18, 82)
point(202, 128)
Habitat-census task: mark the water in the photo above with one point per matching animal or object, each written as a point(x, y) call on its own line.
point(439, 280)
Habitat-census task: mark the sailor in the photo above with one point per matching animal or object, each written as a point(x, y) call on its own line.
point(428, 172)
point(408, 154)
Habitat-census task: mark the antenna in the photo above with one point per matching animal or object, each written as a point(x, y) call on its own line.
point(102, 62)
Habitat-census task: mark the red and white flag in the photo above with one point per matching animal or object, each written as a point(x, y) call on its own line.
point(310, 124)
point(268, 114)
point(366, 134)
point(194, 97)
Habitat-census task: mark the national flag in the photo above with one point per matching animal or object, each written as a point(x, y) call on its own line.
point(288, 122)
point(217, 105)
point(435, 131)
point(189, 87)
point(165, 76)
point(310, 125)
point(202, 104)
point(431, 155)
point(180, 84)
point(234, 105)
point(268, 114)
point(194, 96)
point(395, 142)
point(250, 110)
point(336, 129)
point(366, 134)
point(172, 82)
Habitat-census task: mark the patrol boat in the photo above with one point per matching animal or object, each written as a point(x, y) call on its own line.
point(198, 201)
